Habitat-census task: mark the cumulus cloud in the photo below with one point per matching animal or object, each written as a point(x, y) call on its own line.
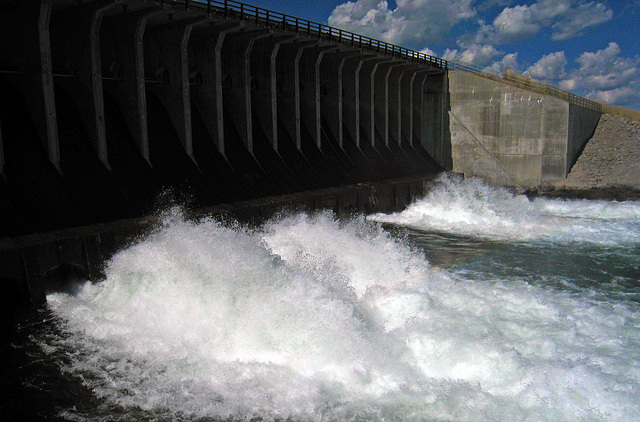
point(418, 23)
point(413, 22)
point(622, 95)
point(521, 22)
point(605, 75)
point(508, 62)
point(550, 67)
point(577, 19)
point(429, 52)
point(476, 54)
point(368, 17)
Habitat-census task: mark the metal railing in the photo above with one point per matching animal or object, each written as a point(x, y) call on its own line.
point(551, 90)
point(231, 9)
point(530, 85)
point(276, 20)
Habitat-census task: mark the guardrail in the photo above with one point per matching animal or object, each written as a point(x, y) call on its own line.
point(553, 91)
point(530, 85)
point(276, 20)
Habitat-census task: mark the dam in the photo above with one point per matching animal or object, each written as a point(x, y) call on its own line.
point(110, 107)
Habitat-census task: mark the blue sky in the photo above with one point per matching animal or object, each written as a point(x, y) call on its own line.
point(588, 47)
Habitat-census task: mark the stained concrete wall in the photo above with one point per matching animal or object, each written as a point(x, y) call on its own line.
point(511, 136)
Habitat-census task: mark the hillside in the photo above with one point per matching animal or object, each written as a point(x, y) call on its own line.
point(609, 166)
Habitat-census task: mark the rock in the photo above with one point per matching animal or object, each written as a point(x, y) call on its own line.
point(608, 166)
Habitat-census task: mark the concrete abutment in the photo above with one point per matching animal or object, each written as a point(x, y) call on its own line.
point(514, 136)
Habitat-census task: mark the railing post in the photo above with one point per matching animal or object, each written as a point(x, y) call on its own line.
point(226, 8)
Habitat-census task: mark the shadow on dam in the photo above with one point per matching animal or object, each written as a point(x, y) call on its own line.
point(36, 197)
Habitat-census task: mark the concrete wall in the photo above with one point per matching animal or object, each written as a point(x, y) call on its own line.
point(582, 125)
point(511, 136)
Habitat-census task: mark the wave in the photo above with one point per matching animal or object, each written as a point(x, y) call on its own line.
point(314, 318)
point(470, 207)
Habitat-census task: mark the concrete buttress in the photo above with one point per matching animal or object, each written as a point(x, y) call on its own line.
point(79, 30)
point(205, 45)
point(27, 42)
point(167, 69)
point(122, 45)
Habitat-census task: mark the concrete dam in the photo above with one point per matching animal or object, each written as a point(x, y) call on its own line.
point(109, 107)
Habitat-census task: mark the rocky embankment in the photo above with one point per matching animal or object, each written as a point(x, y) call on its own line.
point(609, 166)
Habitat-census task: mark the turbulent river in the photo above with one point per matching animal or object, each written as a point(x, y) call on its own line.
point(473, 304)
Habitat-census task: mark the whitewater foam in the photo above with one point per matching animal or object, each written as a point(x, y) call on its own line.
point(314, 318)
point(471, 207)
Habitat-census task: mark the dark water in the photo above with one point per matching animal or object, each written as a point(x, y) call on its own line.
point(473, 304)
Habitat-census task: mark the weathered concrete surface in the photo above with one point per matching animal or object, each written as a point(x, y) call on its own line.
point(511, 136)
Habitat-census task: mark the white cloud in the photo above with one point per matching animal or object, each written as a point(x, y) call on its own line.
point(508, 62)
point(550, 67)
point(605, 75)
point(483, 57)
point(605, 69)
point(429, 51)
point(413, 22)
point(600, 61)
point(514, 24)
point(622, 95)
point(450, 54)
point(580, 18)
point(367, 17)
point(521, 22)
point(476, 54)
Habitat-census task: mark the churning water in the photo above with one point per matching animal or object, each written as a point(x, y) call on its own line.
point(473, 304)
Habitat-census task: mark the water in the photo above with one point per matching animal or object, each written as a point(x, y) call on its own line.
point(473, 304)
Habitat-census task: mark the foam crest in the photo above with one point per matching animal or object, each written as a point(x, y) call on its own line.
point(360, 253)
point(471, 207)
point(209, 304)
point(312, 318)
